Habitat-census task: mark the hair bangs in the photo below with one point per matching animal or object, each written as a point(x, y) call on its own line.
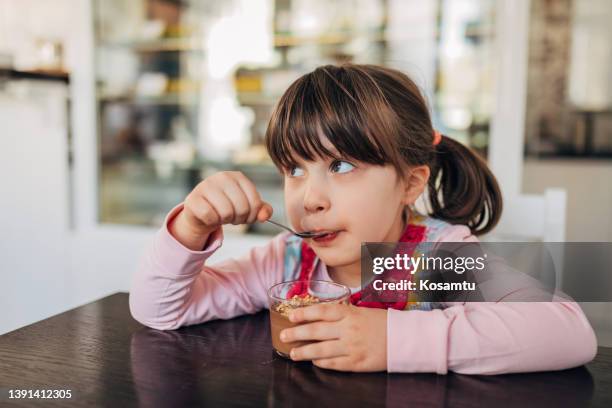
point(320, 105)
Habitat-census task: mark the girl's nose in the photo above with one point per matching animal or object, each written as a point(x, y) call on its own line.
point(315, 197)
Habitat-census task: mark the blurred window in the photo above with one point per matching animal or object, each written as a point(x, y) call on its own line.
point(185, 88)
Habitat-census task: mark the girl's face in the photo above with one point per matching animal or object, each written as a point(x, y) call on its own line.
point(357, 202)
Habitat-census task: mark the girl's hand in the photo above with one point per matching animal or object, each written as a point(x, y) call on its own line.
point(352, 338)
point(228, 197)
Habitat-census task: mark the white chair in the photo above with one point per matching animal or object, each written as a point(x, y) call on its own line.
point(531, 217)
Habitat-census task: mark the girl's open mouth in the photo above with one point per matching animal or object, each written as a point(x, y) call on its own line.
point(327, 237)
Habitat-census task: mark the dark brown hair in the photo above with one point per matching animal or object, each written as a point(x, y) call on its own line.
point(377, 115)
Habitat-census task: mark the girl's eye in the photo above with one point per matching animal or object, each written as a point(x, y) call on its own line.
point(295, 171)
point(340, 166)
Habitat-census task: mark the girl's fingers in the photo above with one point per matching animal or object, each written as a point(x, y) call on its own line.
point(341, 363)
point(265, 212)
point(203, 211)
point(239, 201)
point(252, 195)
point(311, 331)
point(321, 311)
point(222, 205)
point(320, 350)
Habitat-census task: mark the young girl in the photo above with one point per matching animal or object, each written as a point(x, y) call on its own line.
point(356, 147)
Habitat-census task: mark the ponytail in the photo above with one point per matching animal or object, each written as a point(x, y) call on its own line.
point(462, 189)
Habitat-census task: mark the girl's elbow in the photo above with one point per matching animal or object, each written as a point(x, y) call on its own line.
point(588, 346)
point(155, 325)
point(583, 348)
point(140, 313)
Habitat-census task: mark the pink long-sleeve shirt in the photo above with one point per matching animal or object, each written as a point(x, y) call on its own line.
point(174, 286)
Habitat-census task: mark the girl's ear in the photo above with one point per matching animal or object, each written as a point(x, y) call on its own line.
point(415, 181)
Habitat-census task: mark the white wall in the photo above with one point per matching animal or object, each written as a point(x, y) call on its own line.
point(34, 210)
point(34, 207)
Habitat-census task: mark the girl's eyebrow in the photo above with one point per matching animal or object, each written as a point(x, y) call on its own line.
point(334, 153)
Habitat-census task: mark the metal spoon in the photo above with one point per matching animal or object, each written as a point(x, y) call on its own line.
point(305, 234)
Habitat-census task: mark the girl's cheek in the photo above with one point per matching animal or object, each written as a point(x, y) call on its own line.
point(293, 206)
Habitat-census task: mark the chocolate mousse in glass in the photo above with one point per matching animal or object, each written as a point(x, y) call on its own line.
point(282, 300)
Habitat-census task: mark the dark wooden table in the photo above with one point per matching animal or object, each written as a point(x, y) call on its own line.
point(108, 359)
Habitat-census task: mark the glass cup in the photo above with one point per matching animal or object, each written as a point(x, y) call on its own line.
point(280, 304)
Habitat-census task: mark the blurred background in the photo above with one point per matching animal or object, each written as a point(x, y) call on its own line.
point(113, 110)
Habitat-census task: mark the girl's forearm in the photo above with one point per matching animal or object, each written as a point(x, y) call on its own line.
point(490, 338)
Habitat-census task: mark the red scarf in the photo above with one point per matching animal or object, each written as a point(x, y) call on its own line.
point(413, 233)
